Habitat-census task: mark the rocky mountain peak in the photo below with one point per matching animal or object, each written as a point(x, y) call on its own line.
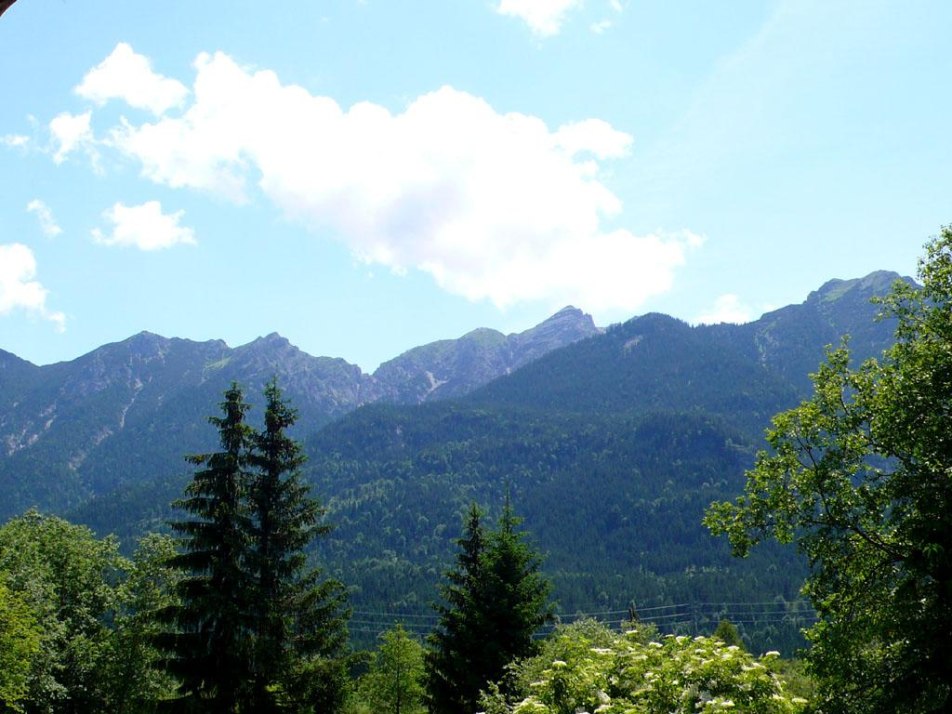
point(876, 283)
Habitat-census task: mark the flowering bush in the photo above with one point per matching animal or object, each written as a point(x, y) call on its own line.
point(590, 669)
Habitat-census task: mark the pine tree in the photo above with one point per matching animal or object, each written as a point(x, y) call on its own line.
point(517, 594)
point(298, 620)
point(453, 677)
point(208, 645)
point(255, 629)
point(496, 599)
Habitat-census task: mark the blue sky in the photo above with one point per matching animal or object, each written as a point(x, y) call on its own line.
point(364, 176)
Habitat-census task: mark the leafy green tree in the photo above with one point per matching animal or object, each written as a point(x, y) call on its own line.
point(68, 581)
point(394, 684)
point(298, 619)
point(859, 477)
point(20, 639)
point(496, 599)
point(584, 667)
point(208, 644)
point(137, 681)
point(728, 633)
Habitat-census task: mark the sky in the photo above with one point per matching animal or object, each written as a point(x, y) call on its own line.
point(366, 176)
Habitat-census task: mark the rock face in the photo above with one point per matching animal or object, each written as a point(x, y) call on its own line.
point(453, 368)
point(69, 430)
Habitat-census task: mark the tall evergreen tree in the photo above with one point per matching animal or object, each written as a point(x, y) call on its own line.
point(495, 599)
point(298, 620)
point(453, 678)
point(255, 629)
point(208, 645)
point(517, 593)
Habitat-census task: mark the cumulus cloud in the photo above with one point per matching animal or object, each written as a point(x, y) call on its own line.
point(544, 17)
point(71, 132)
point(494, 206)
point(128, 76)
point(44, 215)
point(18, 288)
point(144, 227)
point(726, 308)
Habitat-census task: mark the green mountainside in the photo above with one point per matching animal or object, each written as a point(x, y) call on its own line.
point(67, 430)
point(611, 447)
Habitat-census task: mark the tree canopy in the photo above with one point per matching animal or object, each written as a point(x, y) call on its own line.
point(860, 476)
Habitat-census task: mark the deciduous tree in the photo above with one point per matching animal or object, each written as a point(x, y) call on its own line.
point(394, 684)
point(860, 476)
point(68, 580)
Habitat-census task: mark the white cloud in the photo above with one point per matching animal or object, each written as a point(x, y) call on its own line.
point(71, 132)
point(494, 206)
point(18, 288)
point(144, 227)
point(726, 308)
point(15, 141)
point(128, 76)
point(544, 17)
point(593, 136)
point(44, 215)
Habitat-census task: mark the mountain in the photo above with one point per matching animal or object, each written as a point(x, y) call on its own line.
point(67, 430)
point(743, 373)
point(452, 368)
point(611, 447)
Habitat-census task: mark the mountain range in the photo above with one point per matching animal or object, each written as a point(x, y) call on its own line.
point(611, 443)
point(67, 429)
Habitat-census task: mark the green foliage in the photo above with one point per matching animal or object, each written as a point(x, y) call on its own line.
point(454, 671)
point(495, 600)
point(394, 683)
point(137, 682)
point(586, 667)
point(615, 501)
point(20, 641)
point(858, 476)
point(727, 633)
point(516, 593)
point(253, 628)
point(66, 580)
point(209, 646)
point(298, 620)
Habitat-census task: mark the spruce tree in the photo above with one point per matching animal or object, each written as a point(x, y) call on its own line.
point(208, 645)
point(254, 629)
point(496, 599)
point(298, 620)
point(517, 594)
point(453, 677)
